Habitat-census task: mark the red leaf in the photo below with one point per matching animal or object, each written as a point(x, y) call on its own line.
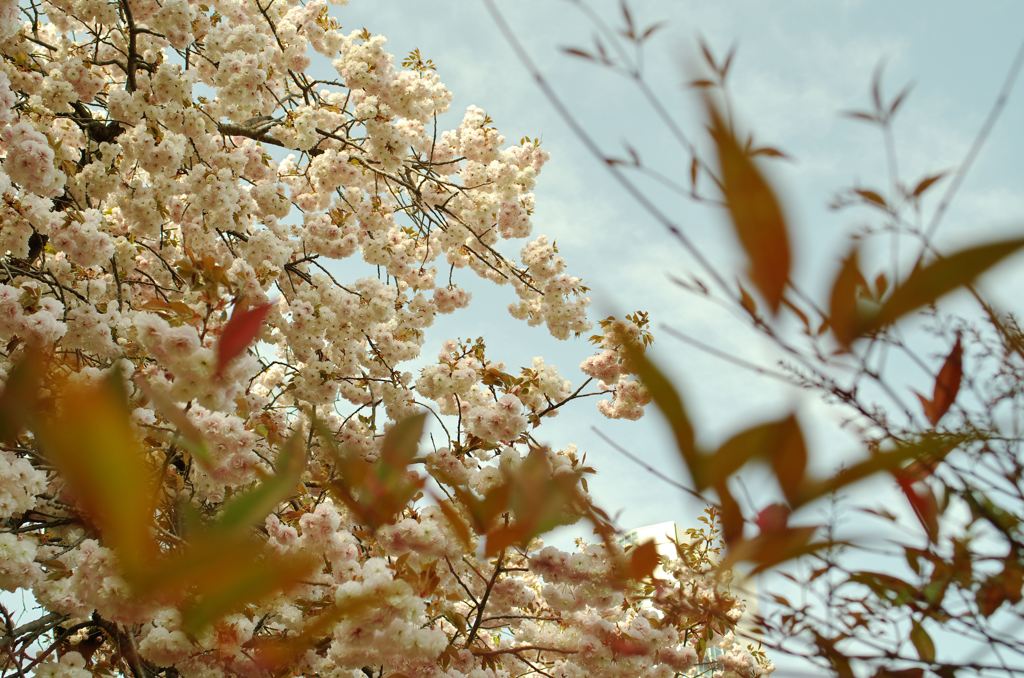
point(923, 502)
point(773, 518)
point(947, 385)
point(239, 333)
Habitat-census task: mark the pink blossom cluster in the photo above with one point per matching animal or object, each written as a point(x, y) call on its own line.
point(164, 165)
point(609, 366)
point(29, 160)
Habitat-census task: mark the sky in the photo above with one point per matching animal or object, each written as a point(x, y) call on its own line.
point(799, 65)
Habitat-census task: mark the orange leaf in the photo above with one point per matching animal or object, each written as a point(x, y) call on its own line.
point(773, 548)
point(377, 492)
point(643, 560)
point(401, 442)
point(780, 441)
point(215, 574)
point(246, 581)
point(536, 499)
point(755, 211)
point(503, 536)
point(872, 197)
point(458, 525)
point(925, 184)
point(239, 333)
point(732, 516)
point(843, 316)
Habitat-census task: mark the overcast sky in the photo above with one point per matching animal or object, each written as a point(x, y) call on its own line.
point(799, 65)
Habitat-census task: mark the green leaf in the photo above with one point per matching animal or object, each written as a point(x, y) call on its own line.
point(922, 642)
point(248, 508)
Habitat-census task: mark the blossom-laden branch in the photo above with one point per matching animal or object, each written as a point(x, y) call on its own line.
point(217, 267)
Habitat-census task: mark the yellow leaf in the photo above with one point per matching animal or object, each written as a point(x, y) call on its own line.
point(91, 443)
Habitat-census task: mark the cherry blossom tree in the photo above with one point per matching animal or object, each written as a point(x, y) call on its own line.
point(213, 461)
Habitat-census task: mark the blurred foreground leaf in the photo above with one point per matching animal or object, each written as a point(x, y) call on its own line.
point(536, 500)
point(927, 284)
point(274, 655)
point(643, 560)
point(20, 392)
point(250, 507)
point(668, 401)
point(377, 491)
point(755, 212)
point(90, 442)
